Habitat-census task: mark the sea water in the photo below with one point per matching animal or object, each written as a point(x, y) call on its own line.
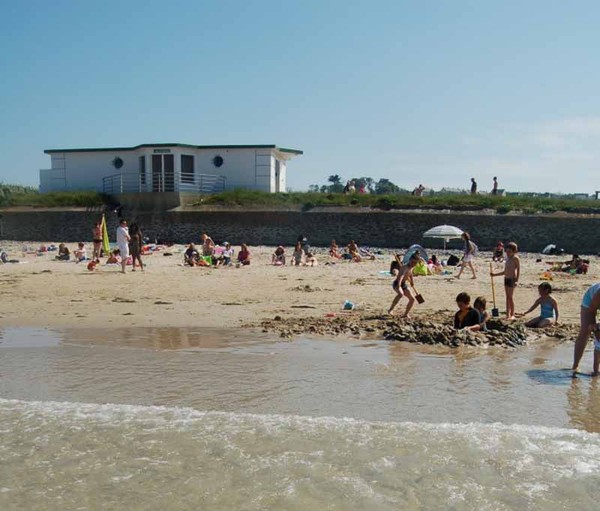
point(180, 419)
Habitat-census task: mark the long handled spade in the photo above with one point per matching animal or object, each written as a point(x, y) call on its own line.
point(418, 296)
point(495, 311)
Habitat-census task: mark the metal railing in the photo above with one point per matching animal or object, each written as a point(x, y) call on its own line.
point(204, 183)
point(131, 183)
point(122, 183)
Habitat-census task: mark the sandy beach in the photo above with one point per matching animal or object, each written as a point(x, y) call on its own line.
point(43, 292)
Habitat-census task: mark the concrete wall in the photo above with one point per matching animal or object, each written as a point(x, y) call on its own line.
point(379, 229)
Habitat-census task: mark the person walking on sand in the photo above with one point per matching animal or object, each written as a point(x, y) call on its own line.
point(511, 273)
point(123, 240)
point(589, 309)
point(404, 277)
point(467, 260)
point(473, 186)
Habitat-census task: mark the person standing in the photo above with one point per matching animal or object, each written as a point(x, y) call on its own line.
point(468, 256)
point(511, 273)
point(135, 245)
point(97, 240)
point(123, 240)
point(495, 187)
point(473, 186)
point(589, 309)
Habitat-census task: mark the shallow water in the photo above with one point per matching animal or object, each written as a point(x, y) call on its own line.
point(192, 419)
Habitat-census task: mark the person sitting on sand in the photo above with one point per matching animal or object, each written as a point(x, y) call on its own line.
point(243, 255)
point(466, 316)
point(435, 267)
point(480, 305)
point(93, 264)
point(297, 255)
point(63, 253)
point(548, 308)
point(498, 254)
point(208, 245)
point(114, 257)
point(278, 257)
point(334, 250)
point(191, 255)
point(311, 260)
point(227, 254)
point(400, 285)
point(353, 251)
point(80, 252)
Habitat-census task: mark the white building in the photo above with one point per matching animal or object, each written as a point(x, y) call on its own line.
point(167, 168)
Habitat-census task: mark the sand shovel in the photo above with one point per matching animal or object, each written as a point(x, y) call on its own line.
point(495, 311)
point(418, 297)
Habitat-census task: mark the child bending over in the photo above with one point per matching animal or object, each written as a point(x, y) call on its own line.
point(404, 277)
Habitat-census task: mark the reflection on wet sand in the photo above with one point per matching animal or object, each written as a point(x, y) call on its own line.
point(167, 338)
point(584, 404)
point(243, 371)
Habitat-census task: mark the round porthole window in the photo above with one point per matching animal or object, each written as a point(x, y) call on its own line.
point(218, 161)
point(117, 163)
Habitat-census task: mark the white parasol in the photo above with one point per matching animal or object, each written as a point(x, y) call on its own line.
point(444, 232)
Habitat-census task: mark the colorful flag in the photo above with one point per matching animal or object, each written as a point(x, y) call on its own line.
point(105, 242)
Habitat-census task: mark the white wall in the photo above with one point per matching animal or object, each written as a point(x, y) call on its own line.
point(246, 168)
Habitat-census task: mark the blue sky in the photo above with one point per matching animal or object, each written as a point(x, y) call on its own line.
point(413, 91)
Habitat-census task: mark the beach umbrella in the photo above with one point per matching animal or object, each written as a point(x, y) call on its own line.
point(549, 249)
point(414, 249)
point(444, 232)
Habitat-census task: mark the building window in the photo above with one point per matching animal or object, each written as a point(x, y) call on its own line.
point(142, 170)
point(187, 168)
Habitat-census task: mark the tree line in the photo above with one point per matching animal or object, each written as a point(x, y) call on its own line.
point(357, 184)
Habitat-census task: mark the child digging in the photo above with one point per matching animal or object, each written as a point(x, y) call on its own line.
point(404, 277)
point(548, 308)
point(511, 273)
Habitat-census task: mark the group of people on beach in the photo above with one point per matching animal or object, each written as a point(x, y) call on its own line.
point(130, 247)
point(475, 317)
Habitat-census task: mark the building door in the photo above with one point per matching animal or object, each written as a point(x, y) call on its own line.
point(169, 172)
point(157, 173)
point(163, 173)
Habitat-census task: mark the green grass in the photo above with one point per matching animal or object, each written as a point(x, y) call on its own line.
point(14, 195)
point(455, 202)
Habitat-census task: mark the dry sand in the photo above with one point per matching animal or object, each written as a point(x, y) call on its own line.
point(48, 293)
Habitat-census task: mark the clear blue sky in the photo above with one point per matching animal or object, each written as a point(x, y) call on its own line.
point(413, 91)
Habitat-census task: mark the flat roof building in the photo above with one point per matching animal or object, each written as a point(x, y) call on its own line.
point(168, 167)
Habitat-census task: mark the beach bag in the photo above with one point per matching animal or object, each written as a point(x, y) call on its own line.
point(475, 248)
point(452, 260)
point(420, 269)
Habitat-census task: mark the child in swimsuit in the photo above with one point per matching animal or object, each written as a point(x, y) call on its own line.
point(548, 308)
point(511, 273)
point(400, 285)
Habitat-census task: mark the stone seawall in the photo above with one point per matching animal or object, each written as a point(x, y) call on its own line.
point(373, 228)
